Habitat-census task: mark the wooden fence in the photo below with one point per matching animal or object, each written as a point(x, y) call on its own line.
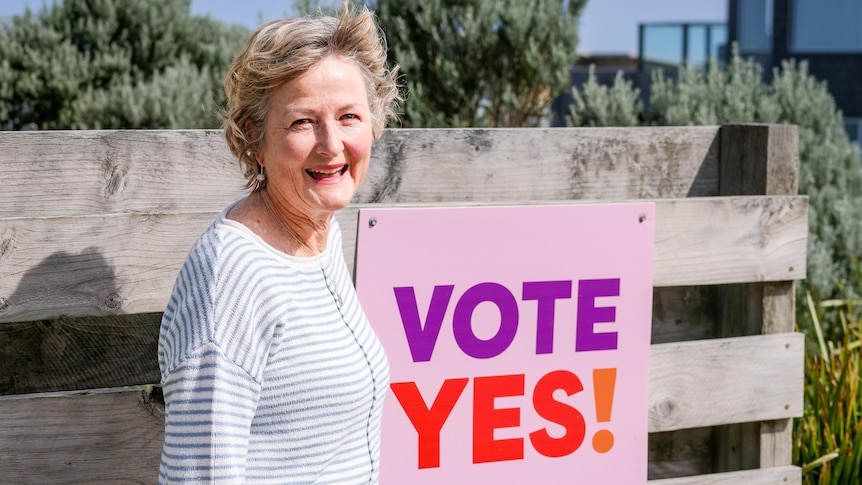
point(94, 226)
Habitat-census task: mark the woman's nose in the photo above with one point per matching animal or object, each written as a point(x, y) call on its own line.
point(330, 140)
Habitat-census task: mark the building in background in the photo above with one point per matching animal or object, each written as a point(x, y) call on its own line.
point(825, 34)
point(661, 45)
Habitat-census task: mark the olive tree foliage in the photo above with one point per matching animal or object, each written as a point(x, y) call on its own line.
point(830, 172)
point(481, 63)
point(477, 63)
point(107, 64)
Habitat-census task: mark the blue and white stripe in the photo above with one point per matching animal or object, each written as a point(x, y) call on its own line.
point(267, 378)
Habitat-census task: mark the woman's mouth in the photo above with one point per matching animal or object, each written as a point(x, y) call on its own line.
point(318, 174)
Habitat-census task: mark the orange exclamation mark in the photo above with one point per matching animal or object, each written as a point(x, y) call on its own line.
point(604, 382)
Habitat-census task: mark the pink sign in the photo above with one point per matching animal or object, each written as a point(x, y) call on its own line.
point(518, 340)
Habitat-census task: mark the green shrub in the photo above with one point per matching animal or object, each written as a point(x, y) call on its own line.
point(479, 63)
point(108, 64)
point(600, 105)
point(830, 173)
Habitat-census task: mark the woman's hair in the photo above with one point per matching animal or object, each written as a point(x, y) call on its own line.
point(282, 50)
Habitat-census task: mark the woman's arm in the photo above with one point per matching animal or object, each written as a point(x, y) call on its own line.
point(209, 406)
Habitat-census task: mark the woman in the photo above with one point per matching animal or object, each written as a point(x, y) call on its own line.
point(271, 372)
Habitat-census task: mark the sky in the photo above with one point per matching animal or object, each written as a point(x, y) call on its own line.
point(606, 26)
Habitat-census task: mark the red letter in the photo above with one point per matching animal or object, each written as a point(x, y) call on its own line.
point(557, 412)
point(428, 422)
point(486, 418)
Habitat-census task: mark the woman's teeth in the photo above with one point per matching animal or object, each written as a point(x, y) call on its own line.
point(322, 174)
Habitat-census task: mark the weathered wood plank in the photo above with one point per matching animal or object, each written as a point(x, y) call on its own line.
point(514, 165)
point(92, 265)
point(757, 159)
point(56, 173)
point(776, 442)
point(725, 381)
point(127, 263)
point(99, 172)
point(118, 435)
point(103, 437)
point(737, 240)
point(680, 453)
point(786, 475)
point(79, 353)
point(682, 313)
point(779, 316)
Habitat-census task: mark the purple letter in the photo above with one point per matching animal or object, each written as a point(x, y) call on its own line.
point(422, 338)
point(589, 315)
point(546, 292)
point(463, 326)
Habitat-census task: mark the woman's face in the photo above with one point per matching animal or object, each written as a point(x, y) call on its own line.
point(318, 138)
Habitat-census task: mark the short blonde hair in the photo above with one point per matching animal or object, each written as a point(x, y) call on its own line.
point(282, 50)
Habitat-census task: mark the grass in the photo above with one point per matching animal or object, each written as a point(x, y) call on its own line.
point(828, 438)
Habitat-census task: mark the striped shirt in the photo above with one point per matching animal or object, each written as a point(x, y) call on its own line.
point(271, 371)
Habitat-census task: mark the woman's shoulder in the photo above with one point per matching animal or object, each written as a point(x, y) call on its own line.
point(221, 244)
point(221, 239)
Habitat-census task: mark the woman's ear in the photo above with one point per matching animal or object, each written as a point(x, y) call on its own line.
point(251, 134)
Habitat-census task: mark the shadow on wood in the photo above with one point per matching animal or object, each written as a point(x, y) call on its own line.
point(66, 353)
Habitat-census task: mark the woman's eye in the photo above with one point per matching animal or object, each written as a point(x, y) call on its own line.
point(300, 122)
point(350, 116)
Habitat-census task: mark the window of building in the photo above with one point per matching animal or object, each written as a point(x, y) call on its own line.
point(853, 127)
point(697, 48)
point(663, 44)
point(754, 24)
point(718, 42)
point(832, 27)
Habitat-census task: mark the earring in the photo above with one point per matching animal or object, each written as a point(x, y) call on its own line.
point(260, 177)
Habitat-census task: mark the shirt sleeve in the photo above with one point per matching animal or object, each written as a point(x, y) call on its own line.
point(209, 403)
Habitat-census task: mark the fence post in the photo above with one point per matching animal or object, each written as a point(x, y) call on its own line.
point(756, 160)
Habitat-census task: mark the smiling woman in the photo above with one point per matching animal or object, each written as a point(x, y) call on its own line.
point(271, 372)
point(316, 149)
point(314, 154)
